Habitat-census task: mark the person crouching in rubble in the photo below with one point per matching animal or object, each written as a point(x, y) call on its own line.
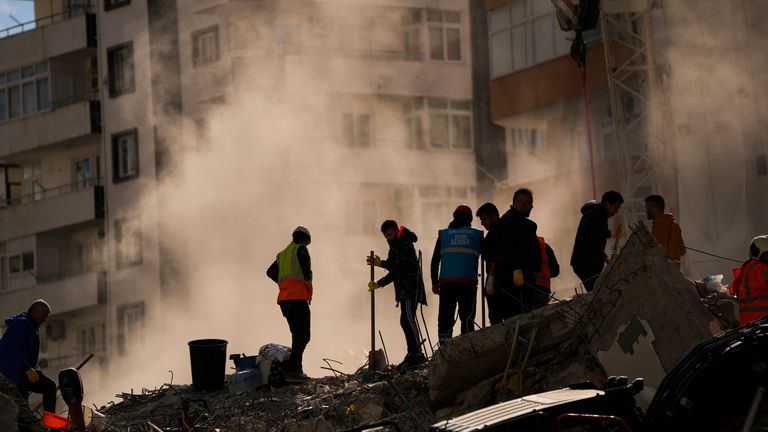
point(751, 283)
point(19, 350)
point(292, 271)
point(403, 269)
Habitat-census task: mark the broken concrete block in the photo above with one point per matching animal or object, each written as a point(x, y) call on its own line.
point(25, 418)
point(644, 316)
point(466, 360)
point(9, 414)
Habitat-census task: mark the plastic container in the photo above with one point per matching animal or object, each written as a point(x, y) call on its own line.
point(245, 363)
point(208, 359)
point(244, 381)
point(55, 421)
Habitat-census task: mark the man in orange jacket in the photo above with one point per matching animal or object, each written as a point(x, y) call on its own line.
point(665, 229)
point(751, 283)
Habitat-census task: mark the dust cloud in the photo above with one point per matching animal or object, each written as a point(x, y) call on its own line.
point(273, 157)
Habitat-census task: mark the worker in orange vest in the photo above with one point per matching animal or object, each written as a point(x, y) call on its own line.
point(550, 268)
point(751, 283)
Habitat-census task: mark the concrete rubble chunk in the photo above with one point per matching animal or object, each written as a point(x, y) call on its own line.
point(642, 318)
point(17, 410)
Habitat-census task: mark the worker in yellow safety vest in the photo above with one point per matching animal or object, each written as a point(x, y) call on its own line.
point(292, 271)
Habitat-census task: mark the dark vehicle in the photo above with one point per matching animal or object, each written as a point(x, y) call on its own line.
point(718, 386)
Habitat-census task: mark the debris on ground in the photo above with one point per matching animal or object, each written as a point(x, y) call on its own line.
point(641, 320)
point(323, 404)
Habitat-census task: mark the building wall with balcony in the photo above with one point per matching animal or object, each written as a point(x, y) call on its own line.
point(125, 75)
point(50, 39)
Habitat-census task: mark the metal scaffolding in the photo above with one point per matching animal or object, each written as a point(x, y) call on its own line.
point(634, 83)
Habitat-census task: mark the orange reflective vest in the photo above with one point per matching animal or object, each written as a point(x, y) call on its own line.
point(543, 275)
point(751, 289)
point(290, 278)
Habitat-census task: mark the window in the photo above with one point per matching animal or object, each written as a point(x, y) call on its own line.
point(523, 34)
point(84, 172)
point(128, 242)
point(3, 273)
point(530, 140)
point(120, 65)
point(90, 338)
point(32, 182)
point(762, 165)
point(357, 130)
point(21, 263)
point(24, 91)
point(439, 123)
point(442, 31)
point(125, 156)
point(205, 46)
point(114, 4)
point(130, 326)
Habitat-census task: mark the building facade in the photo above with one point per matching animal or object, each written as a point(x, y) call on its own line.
point(106, 107)
point(537, 97)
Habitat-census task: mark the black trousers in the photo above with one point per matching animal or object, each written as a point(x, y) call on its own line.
point(451, 295)
point(296, 312)
point(588, 275)
point(514, 300)
point(44, 386)
point(409, 326)
point(495, 306)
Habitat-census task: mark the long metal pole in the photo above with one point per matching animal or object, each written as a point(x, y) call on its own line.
point(482, 288)
point(372, 355)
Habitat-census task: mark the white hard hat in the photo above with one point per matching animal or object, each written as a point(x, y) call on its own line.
point(302, 229)
point(758, 246)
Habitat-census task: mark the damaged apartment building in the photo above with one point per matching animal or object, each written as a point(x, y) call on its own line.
point(673, 109)
point(101, 100)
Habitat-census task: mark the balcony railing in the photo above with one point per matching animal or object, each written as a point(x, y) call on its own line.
point(44, 193)
point(70, 12)
point(91, 95)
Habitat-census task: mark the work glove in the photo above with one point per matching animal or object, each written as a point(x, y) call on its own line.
point(436, 289)
point(517, 277)
point(32, 375)
point(489, 288)
point(376, 261)
point(373, 286)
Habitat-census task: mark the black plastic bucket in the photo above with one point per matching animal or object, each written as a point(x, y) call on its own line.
point(208, 358)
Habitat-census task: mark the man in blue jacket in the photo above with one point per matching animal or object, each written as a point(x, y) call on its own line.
point(454, 272)
point(19, 348)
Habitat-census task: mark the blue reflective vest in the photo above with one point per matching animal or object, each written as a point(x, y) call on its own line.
point(459, 254)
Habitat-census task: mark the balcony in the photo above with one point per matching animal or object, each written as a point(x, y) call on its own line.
point(73, 117)
point(374, 72)
point(65, 32)
point(50, 209)
point(66, 294)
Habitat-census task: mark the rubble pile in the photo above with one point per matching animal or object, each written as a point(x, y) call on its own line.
point(323, 404)
point(15, 414)
point(642, 318)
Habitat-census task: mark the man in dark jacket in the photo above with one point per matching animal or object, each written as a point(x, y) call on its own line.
point(518, 257)
point(454, 272)
point(588, 257)
point(19, 350)
point(403, 269)
point(489, 217)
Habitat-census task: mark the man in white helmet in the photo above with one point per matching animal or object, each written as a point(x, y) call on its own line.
point(292, 271)
point(751, 283)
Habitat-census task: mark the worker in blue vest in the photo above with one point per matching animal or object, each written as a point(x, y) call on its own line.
point(454, 272)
